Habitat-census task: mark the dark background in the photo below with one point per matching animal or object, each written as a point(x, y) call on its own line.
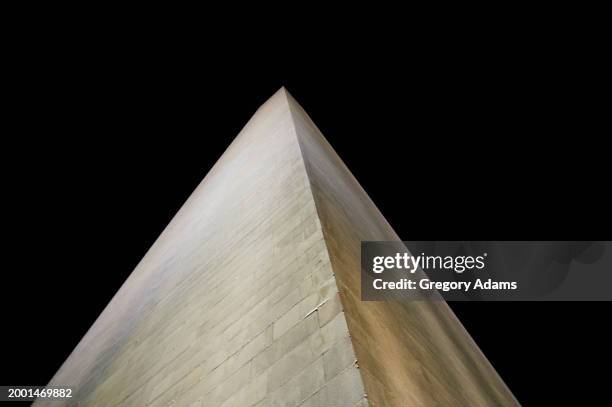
point(103, 144)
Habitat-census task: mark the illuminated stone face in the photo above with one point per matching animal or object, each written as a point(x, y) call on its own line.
point(251, 297)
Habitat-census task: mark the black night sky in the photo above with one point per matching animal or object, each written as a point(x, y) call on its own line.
point(103, 149)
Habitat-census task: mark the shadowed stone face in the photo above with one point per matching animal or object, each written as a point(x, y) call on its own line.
point(248, 297)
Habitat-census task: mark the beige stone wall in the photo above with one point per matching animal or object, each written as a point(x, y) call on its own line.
point(410, 353)
point(236, 303)
point(247, 298)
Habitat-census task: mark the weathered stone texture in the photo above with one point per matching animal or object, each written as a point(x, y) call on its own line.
point(410, 353)
point(248, 296)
